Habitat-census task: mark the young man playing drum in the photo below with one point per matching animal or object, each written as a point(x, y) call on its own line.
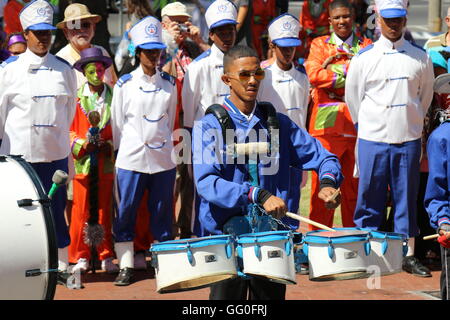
point(230, 188)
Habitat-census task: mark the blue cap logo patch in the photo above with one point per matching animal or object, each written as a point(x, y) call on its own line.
point(222, 8)
point(151, 30)
point(41, 12)
point(287, 26)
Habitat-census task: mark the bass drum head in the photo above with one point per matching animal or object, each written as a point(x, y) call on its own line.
point(27, 235)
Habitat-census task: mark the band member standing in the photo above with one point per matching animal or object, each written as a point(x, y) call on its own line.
point(142, 117)
point(388, 90)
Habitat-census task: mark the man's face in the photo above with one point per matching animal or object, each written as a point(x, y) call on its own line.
point(94, 72)
point(150, 58)
point(241, 78)
point(284, 54)
point(341, 19)
point(38, 41)
point(80, 33)
point(224, 37)
point(392, 28)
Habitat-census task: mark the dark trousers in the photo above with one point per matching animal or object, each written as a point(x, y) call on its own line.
point(253, 289)
point(445, 259)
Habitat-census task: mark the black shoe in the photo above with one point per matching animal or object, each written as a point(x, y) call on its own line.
point(125, 277)
point(414, 266)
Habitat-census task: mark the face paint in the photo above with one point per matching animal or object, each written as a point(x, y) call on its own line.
point(94, 73)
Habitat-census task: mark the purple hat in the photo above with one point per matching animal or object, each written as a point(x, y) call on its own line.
point(16, 38)
point(93, 54)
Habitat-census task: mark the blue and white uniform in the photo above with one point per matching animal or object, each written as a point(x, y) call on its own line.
point(203, 85)
point(142, 119)
point(225, 190)
point(388, 92)
point(288, 91)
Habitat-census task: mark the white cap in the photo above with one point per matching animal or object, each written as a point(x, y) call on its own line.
point(284, 30)
point(175, 9)
point(220, 13)
point(37, 15)
point(392, 8)
point(146, 34)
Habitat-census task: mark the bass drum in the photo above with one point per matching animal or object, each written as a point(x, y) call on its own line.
point(28, 247)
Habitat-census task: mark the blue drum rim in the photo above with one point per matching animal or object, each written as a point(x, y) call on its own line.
point(182, 244)
point(267, 236)
point(313, 236)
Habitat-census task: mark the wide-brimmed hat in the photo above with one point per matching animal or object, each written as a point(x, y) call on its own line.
point(93, 54)
point(76, 12)
point(175, 9)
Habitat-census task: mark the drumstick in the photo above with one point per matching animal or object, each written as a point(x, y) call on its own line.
point(433, 236)
point(335, 194)
point(313, 223)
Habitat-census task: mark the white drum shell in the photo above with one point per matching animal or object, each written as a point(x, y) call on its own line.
point(23, 237)
point(349, 261)
point(174, 272)
point(278, 269)
point(388, 263)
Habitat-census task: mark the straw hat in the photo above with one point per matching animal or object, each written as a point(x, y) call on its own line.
point(77, 11)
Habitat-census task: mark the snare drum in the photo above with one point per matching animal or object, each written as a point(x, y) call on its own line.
point(188, 264)
point(337, 255)
point(387, 252)
point(269, 255)
point(28, 249)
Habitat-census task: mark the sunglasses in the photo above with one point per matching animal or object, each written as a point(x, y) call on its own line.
point(244, 76)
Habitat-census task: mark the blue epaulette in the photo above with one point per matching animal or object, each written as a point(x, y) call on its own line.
point(300, 68)
point(419, 47)
point(123, 79)
point(64, 61)
point(203, 55)
point(360, 52)
point(9, 60)
point(168, 77)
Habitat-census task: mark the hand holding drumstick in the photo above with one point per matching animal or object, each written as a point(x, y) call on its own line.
point(331, 197)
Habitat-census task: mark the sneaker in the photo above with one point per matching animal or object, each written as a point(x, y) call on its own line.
point(109, 266)
point(81, 266)
point(139, 261)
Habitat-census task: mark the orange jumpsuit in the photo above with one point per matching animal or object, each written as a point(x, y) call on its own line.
point(80, 208)
point(263, 12)
point(330, 121)
point(313, 25)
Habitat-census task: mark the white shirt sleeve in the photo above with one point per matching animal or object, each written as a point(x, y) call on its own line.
point(354, 89)
point(117, 116)
point(426, 85)
point(190, 94)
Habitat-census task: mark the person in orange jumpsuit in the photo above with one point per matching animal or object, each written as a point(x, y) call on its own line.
point(330, 120)
point(94, 95)
point(264, 11)
point(11, 15)
point(314, 22)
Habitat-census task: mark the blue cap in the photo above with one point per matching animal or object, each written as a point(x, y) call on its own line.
point(146, 34)
point(284, 31)
point(392, 8)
